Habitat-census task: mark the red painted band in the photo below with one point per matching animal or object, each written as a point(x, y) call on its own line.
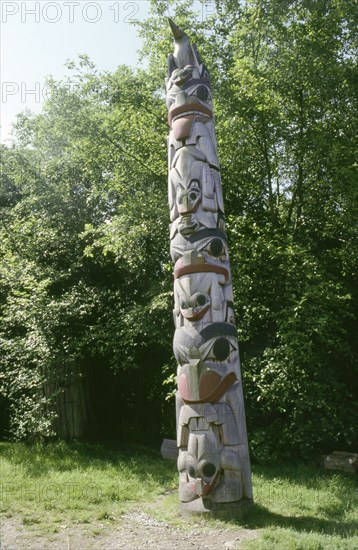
point(208, 487)
point(200, 268)
point(186, 108)
point(219, 391)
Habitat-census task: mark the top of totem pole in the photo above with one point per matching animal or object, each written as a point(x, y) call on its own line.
point(185, 63)
point(177, 32)
point(184, 53)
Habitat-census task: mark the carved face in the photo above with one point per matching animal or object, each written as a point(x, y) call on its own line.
point(188, 199)
point(210, 342)
point(194, 203)
point(205, 361)
point(195, 306)
point(185, 182)
point(201, 464)
point(205, 250)
point(193, 80)
point(188, 99)
point(202, 296)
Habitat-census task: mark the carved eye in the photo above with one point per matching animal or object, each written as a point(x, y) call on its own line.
point(194, 190)
point(217, 248)
point(190, 470)
point(221, 350)
point(183, 305)
point(201, 300)
point(202, 93)
point(208, 469)
point(214, 247)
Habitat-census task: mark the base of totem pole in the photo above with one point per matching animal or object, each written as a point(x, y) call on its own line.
point(220, 510)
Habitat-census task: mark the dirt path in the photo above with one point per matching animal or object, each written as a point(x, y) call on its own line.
point(134, 531)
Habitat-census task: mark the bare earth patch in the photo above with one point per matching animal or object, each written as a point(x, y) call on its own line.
point(133, 531)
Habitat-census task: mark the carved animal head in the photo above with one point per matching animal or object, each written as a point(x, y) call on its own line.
point(188, 77)
point(200, 464)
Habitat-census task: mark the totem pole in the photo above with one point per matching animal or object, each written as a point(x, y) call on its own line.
point(213, 462)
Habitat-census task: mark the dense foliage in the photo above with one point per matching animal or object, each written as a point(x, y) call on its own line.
point(86, 274)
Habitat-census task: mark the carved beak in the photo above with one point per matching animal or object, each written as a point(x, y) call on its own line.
point(177, 33)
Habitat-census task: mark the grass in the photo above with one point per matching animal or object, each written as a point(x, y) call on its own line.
point(304, 508)
point(296, 507)
point(78, 483)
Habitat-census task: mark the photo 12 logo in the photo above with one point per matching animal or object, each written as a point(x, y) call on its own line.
point(70, 12)
point(34, 92)
point(208, 9)
point(51, 492)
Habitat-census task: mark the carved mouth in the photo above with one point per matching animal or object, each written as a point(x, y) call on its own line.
point(206, 487)
point(189, 109)
point(181, 270)
point(195, 314)
point(190, 113)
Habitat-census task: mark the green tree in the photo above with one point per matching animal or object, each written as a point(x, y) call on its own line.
point(283, 77)
point(85, 276)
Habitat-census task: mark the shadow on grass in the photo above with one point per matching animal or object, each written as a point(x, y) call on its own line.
point(260, 517)
point(310, 476)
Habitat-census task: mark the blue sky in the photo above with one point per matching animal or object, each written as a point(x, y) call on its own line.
point(34, 45)
point(38, 36)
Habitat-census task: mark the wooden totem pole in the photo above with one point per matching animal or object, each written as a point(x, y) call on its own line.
point(213, 463)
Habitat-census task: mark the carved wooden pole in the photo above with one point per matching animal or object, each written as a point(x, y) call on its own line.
point(213, 463)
